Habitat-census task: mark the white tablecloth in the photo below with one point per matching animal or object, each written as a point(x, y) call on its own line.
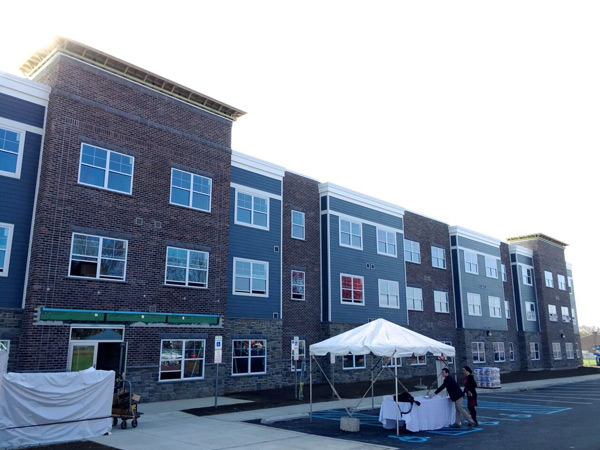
point(434, 413)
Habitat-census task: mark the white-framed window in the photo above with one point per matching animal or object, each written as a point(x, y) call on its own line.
point(249, 357)
point(352, 362)
point(250, 277)
point(11, 151)
point(297, 365)
point(181, 359)
point(552, 316)
point(534, 351)
point(440, 302)
point(570, 284)
point(549, 279)
point(569, 350)
point(386, 242)
point(564, 312)
point(556, 350)
point(298, 285)
point(530, 311)
point(190, 190)
point(412, 251)
point(504, 276)
point(419, 360)
point(574, 316)
point(449, 359)
point(298, 225)
point(414, 298)
point(474, 304)
point(495, 307)
point(561, 282)
point(389, 294)
point(97, 257)
point(471, 265)
point(392, 362)
point(577, 350)
point(352, 289)
point(511, 351)
point(438, 257)
point(499, 353)
point(527, 275)
point(351, 234)
point(507, 309)
point(105, 169)
point(186, 268)
point(251, 210)
point(478, 352)
point(491, 267)
point(6, 237)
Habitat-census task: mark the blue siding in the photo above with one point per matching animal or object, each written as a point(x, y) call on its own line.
point(22, 111)
point(518, 303)
point(525, 260)
point(526, 294)
point(470, 244)
point(362, 212)
point(255, 181)
point(324, 269)
point(457, 293)
point(324, 203)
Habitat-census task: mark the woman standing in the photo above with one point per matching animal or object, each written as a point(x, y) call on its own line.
point(471, 392)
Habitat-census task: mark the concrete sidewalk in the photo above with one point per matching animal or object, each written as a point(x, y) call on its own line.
point(164, 426)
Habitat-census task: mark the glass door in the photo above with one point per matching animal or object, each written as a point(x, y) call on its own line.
point(82, 356)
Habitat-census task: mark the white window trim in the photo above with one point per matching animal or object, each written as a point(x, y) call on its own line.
point(501, 353)
point(504, 276)
point(303, 238)
point(407, 299)
point(183, 359)
point(552, 315)
point(507, 309)
point(491, 267)
point(393, 232)
point(548, 279)
point(421, 360)
point(411, 252)
point(530, 315)
point(471, 267)
point(569, 350)
point(351, 221)
point(556, 351)
point(249, 373)
point(524, 271)
point(436, 302)
point(565, 317)
point(511, 351)
point(253, 194)
point(495, 311)
point(191, 191)
point(292, 285)
point(99, 258)
point(435, 257)
point(471, 297)
point(534, 351)
point(392, 362)
point(250, 294)
point(106, 169)
point(354, 366)
point(363, 290)
point(480, 351)
point(11, 230)
point(397, 293)
point(187, 268)
point(22, 134)
point(562, 284)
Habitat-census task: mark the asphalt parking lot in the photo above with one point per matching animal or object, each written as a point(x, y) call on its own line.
point(555, 417)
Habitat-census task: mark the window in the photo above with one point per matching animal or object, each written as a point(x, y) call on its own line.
point(495, 308)
point(182, 359)
point(561, 282)
point(504, 276)
point(392, 362)
point(5, 346)
point(534, 351)
point(471, 263)
point(297, 365)
point(105, 169)
point(389, 296)
point(440, 301)
point(252, 210)
point(507, 309)
point(491, 267)
point(569, 350)
point(298, 227)
point(499, 354)
point(570, 284)
point(249, 357)
point(577, 350)
point(412, 251)
point(350, 234)
point(352, 289)
point(414, 298)
point(549, 279)
point(251, 277)
point(6, 235)
point(552, 313)
point(511, 351)
point(574, 316)
point(98, 257)
point(474, 304)
point(298, 285)
point(478, 352)
point(190, 190)
point(530, 311)
point(11, 152)
point(527, 273)
point(420, 360)
point(449, 359)
point(556, 351)
point(386, 242)
point(186, 268)
point(438, 257)
point(351, 362)
point(564, 310)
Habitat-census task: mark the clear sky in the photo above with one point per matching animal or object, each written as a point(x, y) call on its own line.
point(476, 113)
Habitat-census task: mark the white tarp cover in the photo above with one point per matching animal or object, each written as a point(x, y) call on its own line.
point(382, 338)
point(44, 408)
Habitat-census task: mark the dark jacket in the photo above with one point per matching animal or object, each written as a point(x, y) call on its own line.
point(470, 386)
point(450, 384)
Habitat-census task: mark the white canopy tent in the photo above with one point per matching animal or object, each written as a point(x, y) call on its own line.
point(381, 338)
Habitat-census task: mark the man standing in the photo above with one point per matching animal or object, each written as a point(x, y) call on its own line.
point(456, 395)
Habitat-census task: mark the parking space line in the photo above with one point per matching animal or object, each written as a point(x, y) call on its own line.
point(520, 407)
point(530, 398)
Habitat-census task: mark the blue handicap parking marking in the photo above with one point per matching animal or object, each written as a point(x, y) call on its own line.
point(337, 414)
point(449, 431)
point(411, 439)
point(489, 423)
point(520, 409)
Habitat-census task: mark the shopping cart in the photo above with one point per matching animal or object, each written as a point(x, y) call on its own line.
point(125, 403)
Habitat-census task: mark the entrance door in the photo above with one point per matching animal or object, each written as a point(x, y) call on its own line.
point(98, 347)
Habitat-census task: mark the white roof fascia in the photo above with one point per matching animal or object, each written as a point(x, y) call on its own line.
point(357, 198)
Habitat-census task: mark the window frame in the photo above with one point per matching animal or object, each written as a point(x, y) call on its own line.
point(565, 317)
point(392, 361)
point(530, 312)
point(98, 258)
point(387, 242)
point(389, 294)
point(411, 254)
point(438, 261)
point(511, 351)
point(354, 366)
point(20, 152)
point(504, 275)
point(499, 352)
point(351, 233)
point(534, 351)
point(472, 305)
point(507, 309)
point(183, 359)
point(10, 232)
point(410, 297)
point(470, 266)
point(495, 310)
point(249, 357)
point(527, 275)
point(106, 169)
point(548, 279)
point(478, 351)
point(191, 191)
point(303, 285)
point(552, 314)
point(569, 350)
point(252, 262)
point(301, 226)
point(418, 360)
point(491, 267)
point(449, 359)
point(187, 268)
point(556, 351)
point(437, 302)
point(562, 283)
point(253, 211)
point(352, 278)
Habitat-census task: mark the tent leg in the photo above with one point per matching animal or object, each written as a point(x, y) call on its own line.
point(396, 397)
point(310, 377)
point(372, 389)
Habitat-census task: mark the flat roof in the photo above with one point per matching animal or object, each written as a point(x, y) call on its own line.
point(107, 62)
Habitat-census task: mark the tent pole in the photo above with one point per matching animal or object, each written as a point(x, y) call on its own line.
point(372, 387)
point(310, 376)
point(396, 397)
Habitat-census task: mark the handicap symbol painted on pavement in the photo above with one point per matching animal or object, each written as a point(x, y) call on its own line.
point(520, 416)
point(411, 439)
